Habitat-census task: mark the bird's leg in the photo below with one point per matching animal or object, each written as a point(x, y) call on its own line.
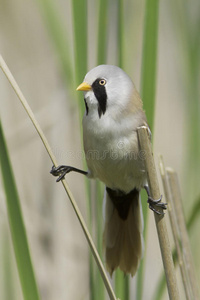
point(62, 170)
point(152, 202)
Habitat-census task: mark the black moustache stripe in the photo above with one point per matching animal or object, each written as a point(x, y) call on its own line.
point(101, 96)
point(86, 106)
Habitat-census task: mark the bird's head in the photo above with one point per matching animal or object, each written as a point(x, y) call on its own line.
point(106, 88)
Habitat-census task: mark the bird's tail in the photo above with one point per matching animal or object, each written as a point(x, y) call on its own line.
point(123, 240)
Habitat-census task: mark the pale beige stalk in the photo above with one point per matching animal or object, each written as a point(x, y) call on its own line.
point(23, 101)
point(184, 239)
point(145, 147)
point(175, 230)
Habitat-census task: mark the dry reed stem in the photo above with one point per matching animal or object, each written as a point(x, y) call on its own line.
point(184, 239)
point(23, 101)
point(145, 146)
point(175, 230)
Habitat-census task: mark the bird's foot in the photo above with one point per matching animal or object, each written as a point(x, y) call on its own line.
point(156, 203)
point(60, 171)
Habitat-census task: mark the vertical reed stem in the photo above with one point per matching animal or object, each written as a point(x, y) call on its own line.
point(145, 147)
point(175, 229)
point(185, 243)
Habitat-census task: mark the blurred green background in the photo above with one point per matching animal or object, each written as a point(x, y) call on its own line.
point(48, 51)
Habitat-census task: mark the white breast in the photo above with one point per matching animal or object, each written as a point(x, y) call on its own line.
point(111, 150)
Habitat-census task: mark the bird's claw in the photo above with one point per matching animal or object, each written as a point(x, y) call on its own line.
point(156, 203)
point(60, 171)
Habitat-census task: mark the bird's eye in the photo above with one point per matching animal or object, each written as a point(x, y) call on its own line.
point(102, 82)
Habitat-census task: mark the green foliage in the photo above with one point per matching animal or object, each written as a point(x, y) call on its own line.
point(17, 228)
point(7, 267)
point(102, 32)
point(121, 285)
point(186, 26)
point(189, 51)
point(80, 39)
point(148, 89)
point(55, 26)
point(149, 58)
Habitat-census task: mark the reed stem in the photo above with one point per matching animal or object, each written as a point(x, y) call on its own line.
point(145, 147)
point(175, 230)
point(184, 239)
point(25, 104)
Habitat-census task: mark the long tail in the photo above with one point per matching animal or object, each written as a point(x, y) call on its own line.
point(123, 240)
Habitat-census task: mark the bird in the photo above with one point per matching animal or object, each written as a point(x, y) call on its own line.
point(113, 112)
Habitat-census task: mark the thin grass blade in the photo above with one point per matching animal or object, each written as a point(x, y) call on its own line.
point(79, 10)
point(80, 38)
point(101, 59)
point(99, 288)
point(102, 32)
point(8, 289)
point(120, 33)
point(148, 92)
point(65, 185)
point(149, 58)
point(55, 26)
point(121, 285)
point(121, 282)
point(18, 232)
